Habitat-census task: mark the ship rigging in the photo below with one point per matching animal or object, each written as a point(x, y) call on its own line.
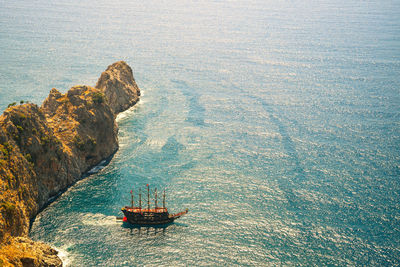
point(137, 215)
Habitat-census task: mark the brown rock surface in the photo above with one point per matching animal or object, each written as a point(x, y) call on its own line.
point(119, 86)
point(22, 251)
point(43, 150)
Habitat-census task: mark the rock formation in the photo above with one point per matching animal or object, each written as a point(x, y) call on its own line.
point(119, 87)
point(43, 150)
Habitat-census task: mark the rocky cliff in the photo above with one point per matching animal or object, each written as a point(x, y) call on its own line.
point(43, 150)
point(119, 87)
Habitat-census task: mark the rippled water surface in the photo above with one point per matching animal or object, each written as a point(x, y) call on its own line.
point(276, 123)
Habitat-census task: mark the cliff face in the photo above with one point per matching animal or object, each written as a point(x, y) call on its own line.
point(83, 122)
point(43, 150)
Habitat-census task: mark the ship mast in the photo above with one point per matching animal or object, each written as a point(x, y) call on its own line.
point(156, 197)
point(164, 200)
point(148, 198)
point(132, 199)
point(140, 199)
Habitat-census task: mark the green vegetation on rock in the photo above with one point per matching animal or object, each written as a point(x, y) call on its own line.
point(11, 104)
point(98, 97)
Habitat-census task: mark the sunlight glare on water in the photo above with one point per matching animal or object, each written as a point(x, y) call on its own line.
point(276, 123)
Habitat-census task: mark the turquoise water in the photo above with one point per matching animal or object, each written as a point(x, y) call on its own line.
point(276, 123)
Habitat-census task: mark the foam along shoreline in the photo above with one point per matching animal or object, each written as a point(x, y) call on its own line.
point(64, 256)
point(98, 167)
point(95, 169)
point(127, 113)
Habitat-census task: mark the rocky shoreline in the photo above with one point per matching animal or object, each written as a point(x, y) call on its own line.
point(46, 149)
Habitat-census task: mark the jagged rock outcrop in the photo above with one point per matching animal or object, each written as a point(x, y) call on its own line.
point(43, 150)
point(22, 251)
point(119, 86)
point(84, 123)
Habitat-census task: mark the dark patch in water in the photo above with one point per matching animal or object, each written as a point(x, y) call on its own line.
point(294, 202)
point(196, 113)
point(172, 146)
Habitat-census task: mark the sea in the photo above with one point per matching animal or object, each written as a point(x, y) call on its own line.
point(276, 123)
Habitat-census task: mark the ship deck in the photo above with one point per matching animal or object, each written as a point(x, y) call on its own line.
point(141, 210)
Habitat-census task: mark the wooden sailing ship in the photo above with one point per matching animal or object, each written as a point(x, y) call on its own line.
point(149, 216)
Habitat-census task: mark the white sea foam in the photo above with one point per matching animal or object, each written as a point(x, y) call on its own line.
point(98, 167)
point(95, 169)
point(123, 115)
point(154, 142)
point(127, 113)
point(64, 255)
point(97, 219)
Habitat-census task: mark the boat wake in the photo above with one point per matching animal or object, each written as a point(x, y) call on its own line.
point(97, 219)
